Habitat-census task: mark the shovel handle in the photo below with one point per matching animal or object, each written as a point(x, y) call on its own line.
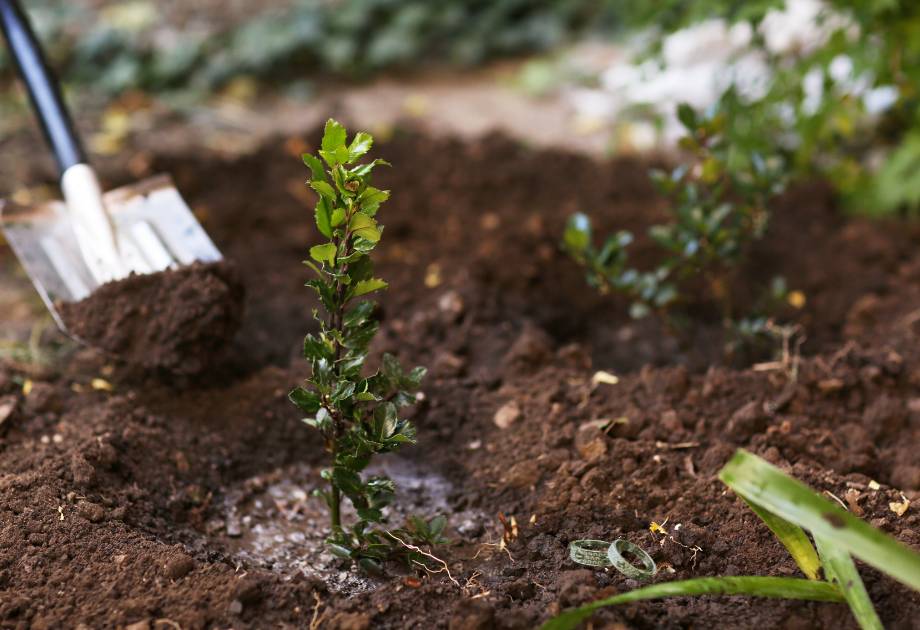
point(42, 86)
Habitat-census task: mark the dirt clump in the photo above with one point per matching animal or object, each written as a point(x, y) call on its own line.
point(174, 321)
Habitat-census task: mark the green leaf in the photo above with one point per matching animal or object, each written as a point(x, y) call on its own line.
point(365, 169)
point(384, 421)
point(321, 213)
point(687, 116)
point(840, 569)
point(437, 525)
point(315, 349)
point(317, 172)
point(340, 551)
point(338, 216)
point(371, 199)
point(358, 314)
point(365, 227)
point(577, 235)
point(360, 145)
point(324, 189)
point(765, 485)
point(334, 136)
point(774, 587)
point(347, 480)
point(360, 269)
point(309, 402)
point(324, 253)
point(794, 539)
point(367, 286)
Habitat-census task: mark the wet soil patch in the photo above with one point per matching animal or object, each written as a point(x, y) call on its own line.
point(174, 321)
point(131, 505)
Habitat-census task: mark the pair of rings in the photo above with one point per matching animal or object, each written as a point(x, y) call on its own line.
point(599, 553)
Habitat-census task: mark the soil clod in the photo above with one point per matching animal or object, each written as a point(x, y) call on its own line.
point(176, 321)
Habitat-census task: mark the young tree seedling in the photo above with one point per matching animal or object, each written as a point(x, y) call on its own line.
point(718, 207)
point(357, 414)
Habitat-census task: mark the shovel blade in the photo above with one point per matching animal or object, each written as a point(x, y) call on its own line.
point(154, 227)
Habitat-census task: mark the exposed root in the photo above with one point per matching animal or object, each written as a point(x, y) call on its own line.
point(444, 568)
point(318, 617)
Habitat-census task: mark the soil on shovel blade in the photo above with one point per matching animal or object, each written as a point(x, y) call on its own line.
point(175, 321)
point(189, 506)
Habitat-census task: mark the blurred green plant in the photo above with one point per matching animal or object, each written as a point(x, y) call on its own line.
point(859, 124)
point(718, 206)
point(788, 508)
point(130, 46)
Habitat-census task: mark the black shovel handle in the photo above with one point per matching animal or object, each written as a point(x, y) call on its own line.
point(42, 86)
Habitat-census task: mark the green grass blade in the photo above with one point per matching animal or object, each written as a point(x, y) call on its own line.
point(783, 588)
point(839, 568)
point(794, 539)
point(765, 485)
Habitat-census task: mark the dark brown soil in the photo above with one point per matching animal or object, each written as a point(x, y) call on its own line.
point(136, 505)
point(177, 321)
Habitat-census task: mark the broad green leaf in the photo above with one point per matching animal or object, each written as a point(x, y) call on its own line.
point(437, 525)
point(309, 402)
point(324, 253)
point(371, 199)
point(384, 421)
point(360, 145)
point(794, 539)
point(765, 485)
point(334, 136)
point(324, 189)
point(361, 269)
point(358, 314)
point(317, 171)
point(338, 216)
point(365, 169)
point(348, 480)
point(322, 218)
point(340, 551)
point(365, 227)
point(775, 587)
point(840, 569)
point(367, 286)
point(315, 348)
point(687, 116)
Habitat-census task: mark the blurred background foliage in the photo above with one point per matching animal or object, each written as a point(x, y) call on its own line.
point(844, 106)
point(112, 47)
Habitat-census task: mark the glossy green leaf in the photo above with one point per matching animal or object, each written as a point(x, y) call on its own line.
point(765, 485)
point(360, 145)
point(323, 219)
point(324, 189)
point(365, 227)
point(371, 199)
point(324, 253)
point(334, 136)
point(687, 116)
point(317, 172)
point(307, 401)
point(367, 286)
point(774, 587)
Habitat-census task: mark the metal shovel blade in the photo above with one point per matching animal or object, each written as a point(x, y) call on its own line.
point(155, 230)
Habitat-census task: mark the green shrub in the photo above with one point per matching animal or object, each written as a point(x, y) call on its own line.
point(357, 414)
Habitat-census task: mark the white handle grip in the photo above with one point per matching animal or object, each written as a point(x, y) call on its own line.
point(92, 223)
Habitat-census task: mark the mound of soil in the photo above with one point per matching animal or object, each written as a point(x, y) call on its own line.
point(178, 321)
point(162, 506)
